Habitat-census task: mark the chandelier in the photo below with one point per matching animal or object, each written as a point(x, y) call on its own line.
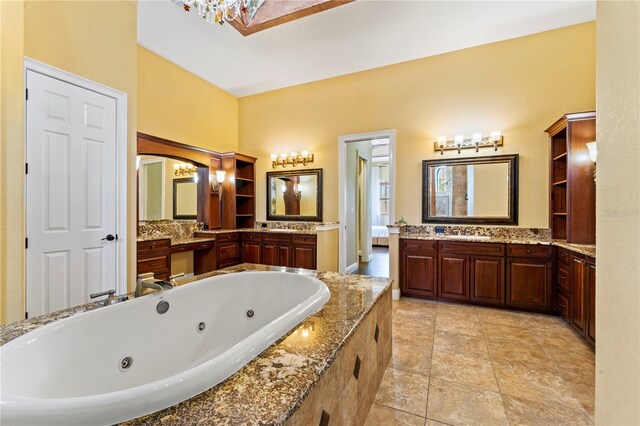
point(217, 11)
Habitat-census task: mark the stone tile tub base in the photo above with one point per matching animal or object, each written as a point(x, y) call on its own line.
point(345, 393)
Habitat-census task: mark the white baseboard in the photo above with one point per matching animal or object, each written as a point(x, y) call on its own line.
point(395, 294)
point(351, 268)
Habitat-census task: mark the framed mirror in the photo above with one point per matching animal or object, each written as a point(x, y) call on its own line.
point(295, 195)
point(185, 198)
point(168, 188)
point(480, 190)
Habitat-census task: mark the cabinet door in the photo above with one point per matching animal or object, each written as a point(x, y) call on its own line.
point(529, 284)
point(453, 277)
point(578, 299)
point(418, 274)
point(590, 333)
point(269, 254)
point(284, 256)
point(303, 257)
point(487, 280)
point(250, 252)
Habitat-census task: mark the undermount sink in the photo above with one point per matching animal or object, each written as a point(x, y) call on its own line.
point(470, 237)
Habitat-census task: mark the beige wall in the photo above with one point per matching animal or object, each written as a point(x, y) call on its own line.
point(177, 105)
point(520, 86)
point(11, 160)
point(618, 214)
point(95, 40)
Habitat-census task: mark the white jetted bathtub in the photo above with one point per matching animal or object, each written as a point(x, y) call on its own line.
point(127, 360)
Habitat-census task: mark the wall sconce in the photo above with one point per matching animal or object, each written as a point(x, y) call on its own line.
point(593, 154)
point(217, 181)
point(184, 169)
point(476, 141)
point(293, 158)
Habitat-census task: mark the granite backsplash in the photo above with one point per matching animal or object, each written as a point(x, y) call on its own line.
point(501, 232)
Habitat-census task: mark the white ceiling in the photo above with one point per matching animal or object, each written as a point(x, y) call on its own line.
point(357, 36)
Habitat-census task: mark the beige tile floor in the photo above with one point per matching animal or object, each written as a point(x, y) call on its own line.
point(465, 365)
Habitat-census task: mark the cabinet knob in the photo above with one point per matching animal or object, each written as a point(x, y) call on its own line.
point(528, 251)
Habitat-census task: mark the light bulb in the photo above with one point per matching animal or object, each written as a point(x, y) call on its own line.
point(495, 135)
point(220, 175)
point(176, 166)
point(305, 154)
point(442, 141)
point(283, 155)
point(294, 154)
point(476, 138)
point(274, 157)
point(459, 139)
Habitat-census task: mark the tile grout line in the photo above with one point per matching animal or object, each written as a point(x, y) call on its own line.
point(493, 368)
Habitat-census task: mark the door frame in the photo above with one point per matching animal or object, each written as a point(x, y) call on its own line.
point(365, 254)
point(342, 181)
point(142, 190)
point(121, 159)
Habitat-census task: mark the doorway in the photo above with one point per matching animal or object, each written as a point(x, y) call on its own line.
point(75, 189)
point(366, 201)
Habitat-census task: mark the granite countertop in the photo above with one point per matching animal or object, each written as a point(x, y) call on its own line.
point(586, 249)
point(176, 241)
point(496, 240)
point(261, 230)
point(270, 388)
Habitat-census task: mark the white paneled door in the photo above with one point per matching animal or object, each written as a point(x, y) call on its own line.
point(71, 194)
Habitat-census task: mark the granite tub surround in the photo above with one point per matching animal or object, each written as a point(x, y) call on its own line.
point(329, 365)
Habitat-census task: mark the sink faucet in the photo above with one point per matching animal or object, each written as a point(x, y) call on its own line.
point(148, 281)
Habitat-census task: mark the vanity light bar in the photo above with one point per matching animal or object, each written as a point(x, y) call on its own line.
point(293, 158)
point(476, 141)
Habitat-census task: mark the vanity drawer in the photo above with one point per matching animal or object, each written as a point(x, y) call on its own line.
point(564, 257)
point(488, 249)
point(277, 238)
point(154, 264)
point(231, 236)
point(228, 251)
point(164, 243)
point(252, 236)
point(529, 250)
point(304, 239)
point(426, 245)
point(564, 304)
point(563, 278)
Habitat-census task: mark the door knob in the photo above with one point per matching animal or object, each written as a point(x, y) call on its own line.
point(109, 238)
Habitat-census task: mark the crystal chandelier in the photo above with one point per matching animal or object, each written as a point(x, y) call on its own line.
point(217, 11)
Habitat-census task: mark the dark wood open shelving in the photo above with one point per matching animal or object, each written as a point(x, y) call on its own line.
point(571, 184)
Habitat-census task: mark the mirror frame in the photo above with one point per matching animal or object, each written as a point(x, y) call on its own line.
point(318, 174)
point(176, 182)
point(511, 219)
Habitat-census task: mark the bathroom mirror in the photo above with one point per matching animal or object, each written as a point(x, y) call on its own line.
point(167, 189)
point(295, 195)
point(481, 190)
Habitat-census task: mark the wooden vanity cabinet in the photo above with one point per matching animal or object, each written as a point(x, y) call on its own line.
point(453, 277)
point(154, 256)
point(227, 250)
point(583, 296)
point(486, 280)
point(251, 247)
point(303, 251)
point(471, 272)
point(276, 250)
point(530, 277)
point(418, 268)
